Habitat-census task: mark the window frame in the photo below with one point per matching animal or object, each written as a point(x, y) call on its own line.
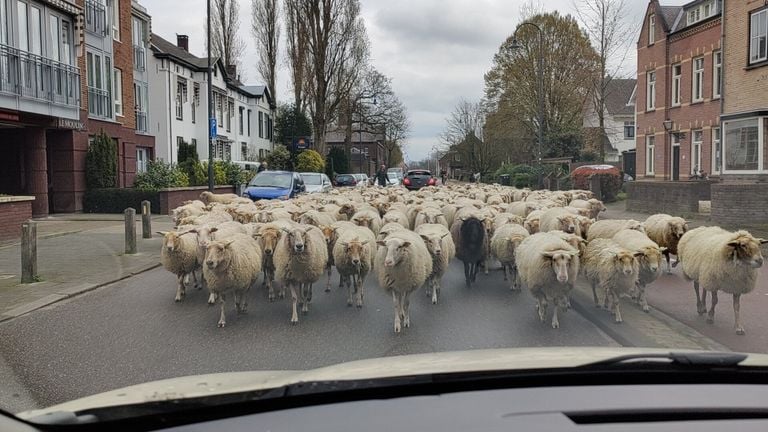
point(697, 77)
point(629, 125)
point(650, 155)
point(102, 63)
point(717, 74)
point(696, 147)
point(677, 81)
point(261, 124)
point(117, 91)
point(717, 150)
point(141, 164)
point(651, 29)
point(650, 91)
point(750, 37)
point(760, 146)
point(115, 5)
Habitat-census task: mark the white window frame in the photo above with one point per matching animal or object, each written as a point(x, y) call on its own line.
point(677, 76)
point(717, 74)
point(716, 153)
point(697, 143)
point(650, 91)
point(115, 20)
point(760, 146)
point(697, 78)
point(650, 154)
point(117, 84)
point(758, 32)
point(651, 29)
point(142, 156)
point(104, 79)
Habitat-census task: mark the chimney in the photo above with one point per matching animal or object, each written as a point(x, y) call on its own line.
point(232, 71)
point(182, 41)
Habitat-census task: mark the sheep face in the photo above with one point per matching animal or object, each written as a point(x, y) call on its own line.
point(745, 250)
point(269, 239)
point(297, 239)
point(627, 262)
point(532, 225)
point(217, 255)
point(354, 252)
point(434, 243)
point(567, 224)
point(397, 250)
point(348, 210)
point(650, 258)
point(584, 224)
point(678, 228)
point(171, 240)
point(560, 262)
point(204, 235)
point(363, 221)
point(383, 208)
point(329, 233)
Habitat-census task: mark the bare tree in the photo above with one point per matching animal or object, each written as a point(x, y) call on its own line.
point(296, 52)
point(608, 26)
point(265, 26)
point(225, 40)
point(464, 134)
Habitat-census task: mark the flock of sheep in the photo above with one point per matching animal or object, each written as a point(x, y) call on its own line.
point(542, 239)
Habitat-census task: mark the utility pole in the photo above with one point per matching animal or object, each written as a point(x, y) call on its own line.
point(211, 119)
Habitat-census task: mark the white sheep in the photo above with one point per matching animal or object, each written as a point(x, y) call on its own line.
point(396, 216)
point(179, 256)
point(505, 240)
point(593, 205)
point(650, 259)
point(402, 265)
point(209, 197)
point(666, 231)
point(233, 264)
point(300, 258)
point(532, 221)
point(522, 208)
point(612, 268)
point(440, 245)
point(316, 218)
point(369, 219)
point(559, 219)
point(353, 256)
point(388, 229)
point(548, 266)
point(430, 215)
point(609, 227)
point(507, 218)
point(720, 260)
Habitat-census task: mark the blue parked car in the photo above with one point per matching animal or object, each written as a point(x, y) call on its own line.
point(274, 185)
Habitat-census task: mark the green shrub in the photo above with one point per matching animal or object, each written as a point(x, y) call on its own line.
point(522, 180)
point(116, 200)
point(336, 162)
point(233, 174)
point(101, 163)
point(279, 159)
point(310, 161)
point(160, 175)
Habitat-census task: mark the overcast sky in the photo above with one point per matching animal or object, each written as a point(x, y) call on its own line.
point(436, 51)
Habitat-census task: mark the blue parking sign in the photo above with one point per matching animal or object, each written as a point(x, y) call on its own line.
point(213, 129)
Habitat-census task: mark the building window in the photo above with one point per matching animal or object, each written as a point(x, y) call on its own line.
point(650, 93)
point(118, 89)
point(248, 126)
point(261, 124)
point(218, 100)
point(240, 111)
point(195, 100)
point(99, 70)
point(717, 151)
point(142, 157)
point(116, 20)
point(222, 150)
point(758, 36)
point(677, 72)
point(717, 74)
point(181, 96)
point(141, 95)
point(697, 93)
point(629, 129)
point(230, 114)
point(698, 139)
point(651, 29)
point(244, 151)
point(650, 154)
point(742, 145)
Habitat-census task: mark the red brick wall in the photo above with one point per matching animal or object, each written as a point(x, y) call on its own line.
point(123, 60)
point(12, 215)
point(172, 198)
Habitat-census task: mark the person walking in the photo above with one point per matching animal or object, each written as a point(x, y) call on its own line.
point(381, 175)
point(444, 176)
point(262, 167)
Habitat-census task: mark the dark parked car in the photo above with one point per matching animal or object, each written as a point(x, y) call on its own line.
point(346, 180)
point(275, 185)
point(417, 179)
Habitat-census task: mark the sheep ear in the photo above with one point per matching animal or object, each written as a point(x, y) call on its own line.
point(638, 254)
point(445, 235)
point(162, 233)
point(286, 230)
point(547, 254)
point(734, 244)
point(213, 230)
point(406, 244)
point(228, 242)
point(365, 243)
point(663, 249)
point(308, 229)
point(762, 241)
point(381, 243)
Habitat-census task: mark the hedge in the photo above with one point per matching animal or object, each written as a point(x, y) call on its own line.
point(116, 200)
point(610, 179)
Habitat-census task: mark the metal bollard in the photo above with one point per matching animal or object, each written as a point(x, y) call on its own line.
point(146, 219)
point(130, 231)
point(29, 252)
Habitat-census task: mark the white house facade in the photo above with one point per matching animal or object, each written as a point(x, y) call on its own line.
point(619, 117)
point(179, 99)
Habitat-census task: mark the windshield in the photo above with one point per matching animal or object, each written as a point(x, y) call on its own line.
point(424, 177)
point(270, 179)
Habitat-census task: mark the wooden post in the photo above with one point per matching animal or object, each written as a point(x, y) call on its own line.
point(29, 252)
point(146, 219)
point(130, 231)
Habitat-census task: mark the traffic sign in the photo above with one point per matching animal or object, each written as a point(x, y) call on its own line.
point(213, 130)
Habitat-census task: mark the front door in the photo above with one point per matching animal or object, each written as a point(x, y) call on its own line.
point(676, 162)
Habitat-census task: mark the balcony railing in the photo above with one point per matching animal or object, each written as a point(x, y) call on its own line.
point(141, 121)
point(99, 103)
point(96, 18)
point(33, 77)
point(139, 58)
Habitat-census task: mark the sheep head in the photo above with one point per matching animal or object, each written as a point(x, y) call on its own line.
point(297, 238)
point(434, 243)
point(677, 227)
point(567, 224)
point(532, 225)
point(397, 250)
point(363, 221)
point(627, 262)
point(268, 238)
point(745, 250)
point(584, 224)
point(354, 251)
point(650, 257)
point(171, 239)
point(347, 210)
point(329, 233)
point(216, 254)
point(560, 261)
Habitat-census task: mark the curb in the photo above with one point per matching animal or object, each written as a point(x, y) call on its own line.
point(42, 237)
point(67, 293)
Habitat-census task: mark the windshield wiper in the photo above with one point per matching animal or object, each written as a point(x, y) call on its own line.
point(695, 359)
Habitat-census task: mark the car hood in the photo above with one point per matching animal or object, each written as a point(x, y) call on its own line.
point(266, 192)
point(314, 188)
point(388, 367)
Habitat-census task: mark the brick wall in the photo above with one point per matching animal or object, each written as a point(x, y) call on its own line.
point(745, 90)
point(12, 214)
point(737, 204)
point(667, 196)
point(172, 198)
point(123, 59)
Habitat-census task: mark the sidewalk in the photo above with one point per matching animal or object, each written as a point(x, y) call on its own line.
point(76, 253)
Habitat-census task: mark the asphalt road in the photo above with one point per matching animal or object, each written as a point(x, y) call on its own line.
point(132, 332)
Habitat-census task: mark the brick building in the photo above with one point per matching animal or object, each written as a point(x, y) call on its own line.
point(366, 148)
point(67, 73)
point(679, 86)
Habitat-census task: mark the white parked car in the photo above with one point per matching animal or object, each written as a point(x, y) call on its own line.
point(362, 180)
point(317, 182)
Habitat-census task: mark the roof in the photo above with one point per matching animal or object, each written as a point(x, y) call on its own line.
point(257, 90)
point(617, 96)
point(670, 14)
point(163, 48)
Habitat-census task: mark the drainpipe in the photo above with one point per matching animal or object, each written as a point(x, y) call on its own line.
point(722, 91)
point(170, 116)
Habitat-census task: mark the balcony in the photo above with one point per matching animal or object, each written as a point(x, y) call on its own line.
point(99, 103)
point(141, 121)
point(33, 77)
point(139, 58)
point(96, 18)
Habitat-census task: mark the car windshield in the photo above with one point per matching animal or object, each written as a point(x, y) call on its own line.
point(271, 179)
point(365, 180)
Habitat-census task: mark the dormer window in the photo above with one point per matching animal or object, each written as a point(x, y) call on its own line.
point(702, 11)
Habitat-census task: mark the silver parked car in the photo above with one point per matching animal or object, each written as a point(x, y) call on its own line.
point(317, 182)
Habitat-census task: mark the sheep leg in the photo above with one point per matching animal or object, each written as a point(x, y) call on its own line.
point(349, 281)
point(642, 300)
point(270, 286)
point(304, 299)
point(556, 307)
point(211, 298)
point(475, 270)
point(328, 284)
point(594, 295)
point(541, 307)
point(485, 266)
point(222, 317)
point(406, 303)
point(669, 265)
point(504, 269)
point(616, 307)
point(294, 301)
point(701, 304)
point(396, 302)
point(711, 315)
point(359, 290)
point(435, 282)
point(737, 314)
point(467, 272)
point(180, 289)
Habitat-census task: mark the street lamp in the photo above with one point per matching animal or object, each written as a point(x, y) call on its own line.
point(540, 78)
point(210, 103)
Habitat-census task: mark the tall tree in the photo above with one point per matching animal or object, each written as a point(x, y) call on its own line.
point(464, 132)
point(226, 42)
point(296, 51)
point(608, 26)
point(265, 27)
